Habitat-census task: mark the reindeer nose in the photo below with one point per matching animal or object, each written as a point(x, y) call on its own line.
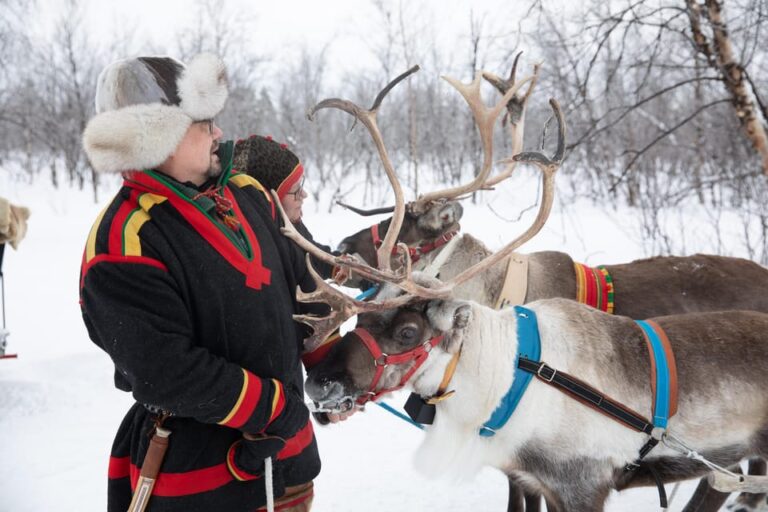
point(324, 388)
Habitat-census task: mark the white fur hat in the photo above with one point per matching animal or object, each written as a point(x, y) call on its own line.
point(145, 105)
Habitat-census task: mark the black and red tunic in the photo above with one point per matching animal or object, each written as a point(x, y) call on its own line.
point(197, 320)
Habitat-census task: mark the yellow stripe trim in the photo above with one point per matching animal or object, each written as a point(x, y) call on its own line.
point(581, 291)
point(239, 402)
point(278, 391)
point(243, 180)
point(137, 219)
point(90, 246)
point(232, 469)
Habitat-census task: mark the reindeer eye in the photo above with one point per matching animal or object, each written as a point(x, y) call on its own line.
point(407, 334)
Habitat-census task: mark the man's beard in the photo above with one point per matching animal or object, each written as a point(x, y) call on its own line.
point(214, 169)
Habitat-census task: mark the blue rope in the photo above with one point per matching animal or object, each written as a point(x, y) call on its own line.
point(389, 408)
point(367, 293)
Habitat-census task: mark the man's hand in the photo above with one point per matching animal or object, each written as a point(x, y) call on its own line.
point(342, 416)
point(293, 417)
point(344, 275)
point(324, 418)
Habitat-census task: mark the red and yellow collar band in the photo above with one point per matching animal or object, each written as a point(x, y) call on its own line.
point(287, 184)
point(594, 287)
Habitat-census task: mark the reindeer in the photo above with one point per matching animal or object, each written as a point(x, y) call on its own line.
point(416, 334)
point(698, 269)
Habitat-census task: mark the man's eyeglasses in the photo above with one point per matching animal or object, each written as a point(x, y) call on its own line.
point(297, 192)
point(209, 122)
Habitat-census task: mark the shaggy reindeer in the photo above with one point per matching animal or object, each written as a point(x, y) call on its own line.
point(412, 338)
point(552, 274)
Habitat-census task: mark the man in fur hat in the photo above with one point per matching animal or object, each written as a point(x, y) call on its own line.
point(188, 285)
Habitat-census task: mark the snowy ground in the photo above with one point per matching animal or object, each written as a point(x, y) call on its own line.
point(59, 411)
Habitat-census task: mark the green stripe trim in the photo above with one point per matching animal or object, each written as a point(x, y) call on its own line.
point(248, 253)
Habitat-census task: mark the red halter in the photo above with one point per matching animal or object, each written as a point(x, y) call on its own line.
point(415, 252)
point(381, 360)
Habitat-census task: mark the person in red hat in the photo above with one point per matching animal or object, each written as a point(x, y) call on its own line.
point(278, 168)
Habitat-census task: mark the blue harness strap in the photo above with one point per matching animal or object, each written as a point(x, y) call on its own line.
point(529, 347)
point(663, 373)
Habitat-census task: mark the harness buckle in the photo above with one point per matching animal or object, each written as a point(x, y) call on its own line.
point(381, 361)
point(542, 376)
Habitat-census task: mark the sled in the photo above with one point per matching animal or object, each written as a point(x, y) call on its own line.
point(738, 483)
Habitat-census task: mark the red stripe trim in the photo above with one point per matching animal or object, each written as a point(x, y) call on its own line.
point(241, 475)
point(289, 181)
point(115, 240)
point(249, 403)
point(591, 287)
point(114, 258)
point(602, 290)
point(119, 467)
point(201, 480)
point(280, 405)
point(190, 482)
point(256, 274)
point(297, 443)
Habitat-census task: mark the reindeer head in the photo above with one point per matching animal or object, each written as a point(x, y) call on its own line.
point(387, 349)
point(420, 228)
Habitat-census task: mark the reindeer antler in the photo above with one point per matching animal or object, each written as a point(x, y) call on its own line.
point(344, 307)
point(485, 119)
point(367, 213)
point(548, 168)
point(516, 107)
point(368, 119)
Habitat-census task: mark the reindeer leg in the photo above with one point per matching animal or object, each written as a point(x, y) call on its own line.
point(515, 503)
point(532, 502)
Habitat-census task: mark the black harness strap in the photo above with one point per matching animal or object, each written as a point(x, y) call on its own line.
point(587, 394)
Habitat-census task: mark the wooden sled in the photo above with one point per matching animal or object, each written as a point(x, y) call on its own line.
point(738, 483)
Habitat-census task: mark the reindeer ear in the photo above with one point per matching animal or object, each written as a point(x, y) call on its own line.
point(461, 316)
point(451, 317)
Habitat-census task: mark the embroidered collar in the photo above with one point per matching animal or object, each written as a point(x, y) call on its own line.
point(246, 257)
point(594, 287)
point(529, 347)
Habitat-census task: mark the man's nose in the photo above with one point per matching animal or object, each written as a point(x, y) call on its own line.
point(303, 194)
point(218, 133)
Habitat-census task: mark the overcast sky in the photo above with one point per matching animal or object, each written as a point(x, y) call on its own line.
point(283, 27)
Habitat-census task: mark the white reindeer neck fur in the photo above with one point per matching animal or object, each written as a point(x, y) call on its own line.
point(483, 375)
